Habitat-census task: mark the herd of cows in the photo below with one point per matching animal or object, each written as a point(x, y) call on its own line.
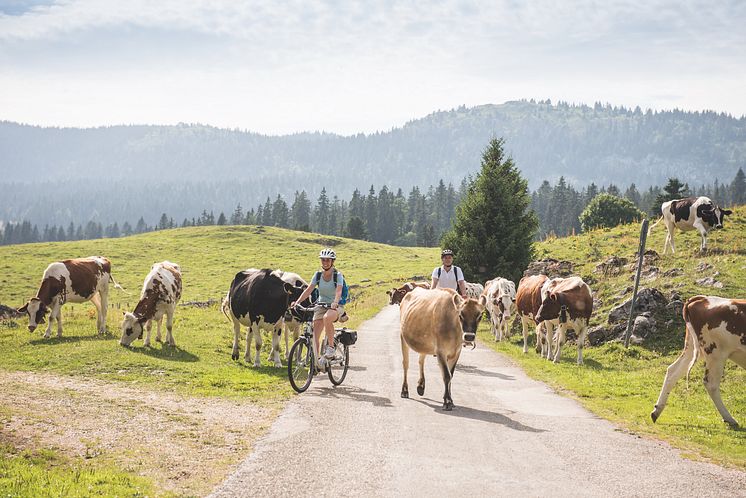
point(433, 322)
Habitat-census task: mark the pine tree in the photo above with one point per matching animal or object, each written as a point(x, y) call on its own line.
point(267, 219)
point(222, 220)
point(633, 195)
point(738, 188)
point(674, 189)
point(163, 222)
point(356, 228)
point(321, 213)
point(371, 212)
point(237, 216)
point(494, 228)
point(280, 213)
point(300, 212)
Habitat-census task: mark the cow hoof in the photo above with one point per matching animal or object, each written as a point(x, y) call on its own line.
point(404, 393)
point(257, 365)
point(234, 356)
point(654, 416)
point(157, 339)
point(146, 344)
point(448, 406)
point(421, 390)
point(731, 423)
point(278, 365)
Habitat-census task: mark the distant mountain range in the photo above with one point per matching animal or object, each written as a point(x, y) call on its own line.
point(52, 175)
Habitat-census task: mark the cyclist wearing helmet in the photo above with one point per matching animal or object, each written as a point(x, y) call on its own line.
point(449, 276)
point(330, 283)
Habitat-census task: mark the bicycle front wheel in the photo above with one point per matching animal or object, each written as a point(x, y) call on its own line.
point(338, 366)
point(300, 365)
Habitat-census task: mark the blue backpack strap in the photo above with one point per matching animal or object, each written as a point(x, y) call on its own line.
point(317, 277)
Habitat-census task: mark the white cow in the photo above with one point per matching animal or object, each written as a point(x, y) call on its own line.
point(500, 295)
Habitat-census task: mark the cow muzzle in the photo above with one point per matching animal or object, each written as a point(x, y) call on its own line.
point(718, 226)
point(31, 328)
point(469, 336)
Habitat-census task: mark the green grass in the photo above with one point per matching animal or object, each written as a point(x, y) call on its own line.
point(621, 384)
point(45, 473)
point(209, 257)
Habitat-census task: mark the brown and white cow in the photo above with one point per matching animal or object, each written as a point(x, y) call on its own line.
point(437, 323)
point(567, 303)
point(396, 295)
point(500, 299)
point(160, 295)
point(692, 213)
point(528, 302)
point(71, 281)
point(715, 329)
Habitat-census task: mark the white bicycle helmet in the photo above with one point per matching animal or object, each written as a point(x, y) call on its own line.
point(328, 253)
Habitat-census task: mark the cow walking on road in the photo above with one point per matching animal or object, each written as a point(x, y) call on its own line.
point(500, 299)
point(396, 295)
point(528, 302)
point(437, 323)
point(71, 281)
point(160, 295)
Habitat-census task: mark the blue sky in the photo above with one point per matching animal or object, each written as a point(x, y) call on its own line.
point(348, 67)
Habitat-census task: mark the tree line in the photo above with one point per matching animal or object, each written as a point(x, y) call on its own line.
point(418, 218)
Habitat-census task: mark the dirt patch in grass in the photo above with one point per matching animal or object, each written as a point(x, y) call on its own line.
point(186, 445)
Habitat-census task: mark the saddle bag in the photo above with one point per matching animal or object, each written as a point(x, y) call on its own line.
point(347, 337)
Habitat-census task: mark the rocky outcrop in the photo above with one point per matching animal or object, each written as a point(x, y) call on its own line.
point(648, 299)
point(550, 267)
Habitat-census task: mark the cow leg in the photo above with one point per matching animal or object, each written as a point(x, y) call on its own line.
point(714, 367)
point(96, 300)
point(148, 329)
point(275, 355)
point(169, 327)
point(446, 372)
point(287, 339)
point(158, 337)
point(405, 366)
point(581, 342)
point(675, 371)
point(421, 382)
point(524, 325)
point(103, 309)
point(561, 336)
point(236, 333)
point(549, 340)
point(58, 317)
point(257, 344)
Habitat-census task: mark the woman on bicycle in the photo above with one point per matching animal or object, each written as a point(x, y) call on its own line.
point(330, 282)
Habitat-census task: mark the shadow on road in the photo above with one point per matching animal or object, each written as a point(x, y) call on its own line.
point(472, 370)
point(477, 414)
point(357, 394)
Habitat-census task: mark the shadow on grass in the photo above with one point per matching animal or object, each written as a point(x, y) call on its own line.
point(477, 414)
point(170, 353)
point(472, 370)
point(65, 339)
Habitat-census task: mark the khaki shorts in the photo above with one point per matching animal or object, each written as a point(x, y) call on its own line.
point(319, 313)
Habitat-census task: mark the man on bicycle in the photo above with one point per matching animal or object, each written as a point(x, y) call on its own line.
point(448, 276)
point(330, 283)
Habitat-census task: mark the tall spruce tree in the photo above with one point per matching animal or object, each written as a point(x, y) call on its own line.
point(494, 228)
point(738, 188)
point(674, 189)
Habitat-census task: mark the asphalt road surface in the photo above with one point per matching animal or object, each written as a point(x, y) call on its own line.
point(507, 435)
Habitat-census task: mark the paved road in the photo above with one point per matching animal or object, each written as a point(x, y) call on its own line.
point(507, 436)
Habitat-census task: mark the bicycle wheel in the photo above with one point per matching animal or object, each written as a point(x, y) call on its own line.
point(300, 365)
point(339, 365)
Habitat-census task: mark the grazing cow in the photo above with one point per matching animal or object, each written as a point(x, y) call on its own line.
point(568, 304)
point(692, 213)
point(160, 294)
point(396, 295)
point(473, 290)
point(73, 281)
point(259, 299)
point(528, 302)
point(716, 329)
point(437, 323)
point(500, 296)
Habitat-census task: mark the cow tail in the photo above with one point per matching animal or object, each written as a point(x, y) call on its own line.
point(690, 341)
point(226, 305)
point(650, 230)
point(116, 285)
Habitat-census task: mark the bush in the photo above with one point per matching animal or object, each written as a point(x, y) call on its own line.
point(606, 211)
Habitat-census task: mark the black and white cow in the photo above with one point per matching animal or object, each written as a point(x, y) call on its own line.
point(258, 299)
point(160, 295)
point(692, 213)
point(71, 281)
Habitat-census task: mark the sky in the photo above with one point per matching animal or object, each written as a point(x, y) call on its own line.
point(278, 67)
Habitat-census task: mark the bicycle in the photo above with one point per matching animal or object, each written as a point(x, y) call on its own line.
point(302, 365)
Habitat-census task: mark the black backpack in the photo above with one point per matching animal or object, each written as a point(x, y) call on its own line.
point(455, 269)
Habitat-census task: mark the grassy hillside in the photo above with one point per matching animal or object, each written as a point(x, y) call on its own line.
point(623, 384)
point(201, 364)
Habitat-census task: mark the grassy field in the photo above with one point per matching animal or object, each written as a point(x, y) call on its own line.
point(201, 364)
point(621, 384)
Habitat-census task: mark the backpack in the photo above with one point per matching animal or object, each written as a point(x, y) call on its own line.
point(455, 269)
point(345, 290)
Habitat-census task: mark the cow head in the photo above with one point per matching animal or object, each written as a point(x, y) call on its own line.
point(36, 311)
point(714, 215)
point(132, 328)
point(503, 304)
point(469, 315)
point(396, 295)
point(552, 306)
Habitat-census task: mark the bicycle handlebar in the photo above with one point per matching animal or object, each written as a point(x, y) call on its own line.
point(312, 307)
